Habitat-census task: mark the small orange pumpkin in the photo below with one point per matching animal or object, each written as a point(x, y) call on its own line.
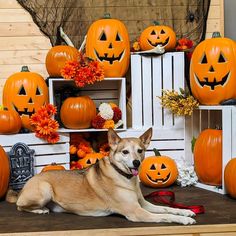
point(78, 112)
point(158, 171)
point(230, 177)
point(108, 42)
point(10, 122)
point(52, 166)
point(213, 70)
point(207, 154)
point(90, 159)
point(4, 172)
point(73, 149)
point(25, 92)
point(57, 57)
point(156, 35)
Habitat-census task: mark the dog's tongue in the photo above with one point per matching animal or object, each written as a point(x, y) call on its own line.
point(134, 172)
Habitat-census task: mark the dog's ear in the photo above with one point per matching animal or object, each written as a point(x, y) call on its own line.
point(146, 137)
point(113, 139)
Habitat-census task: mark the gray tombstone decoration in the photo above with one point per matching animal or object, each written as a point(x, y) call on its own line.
point(22, 165)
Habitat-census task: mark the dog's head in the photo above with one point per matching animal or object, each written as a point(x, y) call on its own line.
point(128, 153)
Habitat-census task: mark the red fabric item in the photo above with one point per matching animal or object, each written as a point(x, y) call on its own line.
point(168, 198)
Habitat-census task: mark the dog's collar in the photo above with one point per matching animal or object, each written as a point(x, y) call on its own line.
point(128, 176)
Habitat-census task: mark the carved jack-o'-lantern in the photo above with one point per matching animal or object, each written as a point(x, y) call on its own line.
point(156, 35)
point(25, 92)
point(108, 42)
point(158, 171)
point(90, 159)
point(213, 70)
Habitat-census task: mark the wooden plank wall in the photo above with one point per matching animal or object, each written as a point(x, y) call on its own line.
point(22, 43)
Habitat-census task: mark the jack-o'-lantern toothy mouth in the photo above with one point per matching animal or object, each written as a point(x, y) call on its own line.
point(162, 180)
point(159, 43)
point(109, 59)
point(214, 83)
point(25, 112)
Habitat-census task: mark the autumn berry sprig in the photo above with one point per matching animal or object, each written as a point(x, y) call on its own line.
point(44, 125)
point(84, 71)
point(180, 104)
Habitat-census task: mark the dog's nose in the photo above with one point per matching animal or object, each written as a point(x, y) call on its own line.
point(136, 163)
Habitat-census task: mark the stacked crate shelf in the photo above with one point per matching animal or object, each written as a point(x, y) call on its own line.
point(210, 117)
point(108, 90)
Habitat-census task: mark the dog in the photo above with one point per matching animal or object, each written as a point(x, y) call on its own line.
point(110, 186)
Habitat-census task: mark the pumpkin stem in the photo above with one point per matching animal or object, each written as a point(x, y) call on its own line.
point(155, 22)
point(157, 153)
point(216, 34)
point(24, 69)
point(107, 15)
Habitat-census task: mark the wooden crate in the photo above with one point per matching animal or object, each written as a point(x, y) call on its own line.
point(108, 90)
point(45, 153)
point(149, 76)
point(210, 117)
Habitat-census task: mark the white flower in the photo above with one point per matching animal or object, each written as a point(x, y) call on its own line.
point(187, 175)
point(106, 111)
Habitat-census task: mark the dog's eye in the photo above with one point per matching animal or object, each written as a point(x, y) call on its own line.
point(125, 152)
point(140, 150)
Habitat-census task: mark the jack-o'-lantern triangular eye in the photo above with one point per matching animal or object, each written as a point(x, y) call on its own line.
point(221, 58)
point(162, 31)
point(38, 91)
point(103, 37)
point(152, 167)
point(88, 162)
point(118, 37)
point(163, 166)
point(153, 32)
point(204, 59)
point(22, 91)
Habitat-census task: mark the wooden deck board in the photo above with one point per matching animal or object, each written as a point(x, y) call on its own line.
point(220, 217)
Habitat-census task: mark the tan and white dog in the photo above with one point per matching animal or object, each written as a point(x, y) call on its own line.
point(109, 186)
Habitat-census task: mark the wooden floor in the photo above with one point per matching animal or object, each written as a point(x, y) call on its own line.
point(219, 219)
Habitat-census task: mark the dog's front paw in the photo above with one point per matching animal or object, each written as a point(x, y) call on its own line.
point(188, 221)
point(187, 213)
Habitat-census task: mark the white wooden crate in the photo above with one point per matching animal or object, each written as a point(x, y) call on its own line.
point(149, 76)
point(108, 90)
point(210, 117)
point(45, 153)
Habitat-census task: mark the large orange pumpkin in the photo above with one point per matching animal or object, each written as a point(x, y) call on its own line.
point(25, 92)
point(158, 171)
point(10, 122)
point(108, 42)
point(57, 57)
point(230, 177)
point(213, 70)
point(208, 157)
point(4, 172)
point(156, 35)
point(78, 112)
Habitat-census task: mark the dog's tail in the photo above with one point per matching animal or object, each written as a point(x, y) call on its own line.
point(11, 196)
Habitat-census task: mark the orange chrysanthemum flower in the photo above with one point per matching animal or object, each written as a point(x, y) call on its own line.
point(53, 137)
point(44, 126)
point(109, 124)
point(84, 71)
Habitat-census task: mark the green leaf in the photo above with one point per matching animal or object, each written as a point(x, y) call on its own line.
point(193, 141)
